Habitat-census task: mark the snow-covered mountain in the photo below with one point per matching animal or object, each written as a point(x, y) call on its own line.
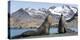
point(30, 17)
point(20, 14)
point(67, 11)
point(34, 12)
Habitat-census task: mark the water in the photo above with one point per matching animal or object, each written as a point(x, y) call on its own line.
point(75, 29)
point(53, 30)
point(15, 32)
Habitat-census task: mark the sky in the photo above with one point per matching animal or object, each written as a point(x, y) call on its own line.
point(16, 5)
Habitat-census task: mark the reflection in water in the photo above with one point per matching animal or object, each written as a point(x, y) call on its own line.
point(53, 30)
point(74, 29)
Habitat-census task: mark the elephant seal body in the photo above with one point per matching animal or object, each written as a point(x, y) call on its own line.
point(61, 26)
point(43, 29)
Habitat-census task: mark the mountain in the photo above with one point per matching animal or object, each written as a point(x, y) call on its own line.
point(36, 13)
point(67, 11)
point(26, 18)
point(30, 17)
point(20, 14)
point(52, 7)
point(19, 18)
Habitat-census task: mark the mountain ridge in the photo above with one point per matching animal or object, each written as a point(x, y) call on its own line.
point(36, 17)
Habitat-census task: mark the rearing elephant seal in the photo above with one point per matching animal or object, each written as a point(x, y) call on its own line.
point(43, 29)
point(61, 26)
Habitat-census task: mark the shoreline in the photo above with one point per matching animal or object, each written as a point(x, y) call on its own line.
point(51, 35)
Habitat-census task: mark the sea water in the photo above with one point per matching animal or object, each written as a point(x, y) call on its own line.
point(14, 32)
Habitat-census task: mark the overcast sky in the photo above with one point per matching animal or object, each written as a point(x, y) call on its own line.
point(15, 5)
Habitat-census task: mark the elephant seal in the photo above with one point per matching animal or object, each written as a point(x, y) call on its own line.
point(61, 26)
point(43, 29)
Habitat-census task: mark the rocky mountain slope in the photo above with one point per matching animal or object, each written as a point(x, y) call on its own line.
point(29, 17)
